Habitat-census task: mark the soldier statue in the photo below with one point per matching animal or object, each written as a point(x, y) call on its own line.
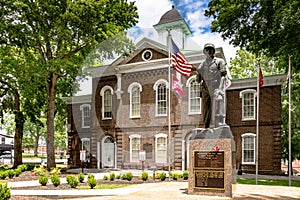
point(212, 76)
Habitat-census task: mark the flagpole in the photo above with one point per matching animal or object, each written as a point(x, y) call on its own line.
point(290, 120)
point(169, 102)
point(257, 125)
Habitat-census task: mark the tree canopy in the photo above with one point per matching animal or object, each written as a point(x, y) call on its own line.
point(268, 26)
point(59, 34)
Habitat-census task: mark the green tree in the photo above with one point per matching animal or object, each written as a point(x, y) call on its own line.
point(269, 26)
point(295, 124)
point(245, 64)
point(12, 83)
point(61, 33)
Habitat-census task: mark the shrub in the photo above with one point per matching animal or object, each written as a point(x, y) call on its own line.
point(92, 181)
point(43, 180)
point(23, 168)
point(144, 176)
point(3, 175)
point(157, 175)
point(55, 171)
point(105, 177)
point(118, 176)
point(30, 167)
point(18, 171)
point(72, 181)
point(4, 191)
point(124, 176)
point(185, 175)
point(163, 176)
point(11, 173)
point(40, 171)
point(55, 179)
point(80, 177)
point(112, 176)
point(129, 176)
point(175, 176)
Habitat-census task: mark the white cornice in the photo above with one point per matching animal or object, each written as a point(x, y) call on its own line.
point(78, 99)
point(252, 82)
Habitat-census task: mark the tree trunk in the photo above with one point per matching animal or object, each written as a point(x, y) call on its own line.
point(51, 86)
point(36, 145)
point(19, 120)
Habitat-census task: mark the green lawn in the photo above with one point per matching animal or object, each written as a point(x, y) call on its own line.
point(106, 186)
point(252, 181)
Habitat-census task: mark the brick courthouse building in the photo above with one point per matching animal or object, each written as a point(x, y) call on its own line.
point(126, 111)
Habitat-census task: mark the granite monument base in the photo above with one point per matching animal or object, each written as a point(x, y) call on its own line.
point(212, 165)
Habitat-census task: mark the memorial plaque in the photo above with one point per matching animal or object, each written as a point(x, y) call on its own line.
point(209, 179)
point(209, 169)
point(209, 159)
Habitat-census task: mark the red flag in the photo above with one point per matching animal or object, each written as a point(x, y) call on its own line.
point(179, 62)
point(261, 78)
point(176, 86)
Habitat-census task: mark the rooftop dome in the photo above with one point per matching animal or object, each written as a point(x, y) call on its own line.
point(170, 16)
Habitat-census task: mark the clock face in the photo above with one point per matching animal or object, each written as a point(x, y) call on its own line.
point(147, 55)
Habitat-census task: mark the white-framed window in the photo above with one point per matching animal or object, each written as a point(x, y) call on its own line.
point(248, 148)
point(135, 90)
point(161, 148)
point(135, 145)
point(86, 145)
point(86, 115)
point(106, 93)
point(248, 104)
point(194, 105)
point(161, 97)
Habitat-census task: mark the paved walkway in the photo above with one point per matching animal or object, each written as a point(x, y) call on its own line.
point(161, 190)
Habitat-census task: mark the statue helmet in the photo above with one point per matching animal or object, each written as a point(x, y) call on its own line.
point(209, 45)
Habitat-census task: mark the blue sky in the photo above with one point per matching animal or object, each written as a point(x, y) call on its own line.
point(192, 11)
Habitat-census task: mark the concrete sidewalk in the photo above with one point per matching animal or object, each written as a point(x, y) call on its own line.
point(163, 190)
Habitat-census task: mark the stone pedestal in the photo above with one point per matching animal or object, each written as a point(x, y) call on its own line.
point(212, 168)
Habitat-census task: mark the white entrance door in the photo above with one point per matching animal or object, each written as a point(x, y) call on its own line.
point(108, 152)
point(187, 142)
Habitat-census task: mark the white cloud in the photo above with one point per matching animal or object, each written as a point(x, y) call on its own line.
point(150, 12)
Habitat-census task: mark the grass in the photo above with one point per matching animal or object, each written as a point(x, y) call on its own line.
point(252, 181)
point(106, 186)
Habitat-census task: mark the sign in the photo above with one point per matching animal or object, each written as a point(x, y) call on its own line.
point(209, 159)
point(209, 169)
point(142, 155)
point(82, 155)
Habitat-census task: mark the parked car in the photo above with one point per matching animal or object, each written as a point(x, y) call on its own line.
point(6, 155)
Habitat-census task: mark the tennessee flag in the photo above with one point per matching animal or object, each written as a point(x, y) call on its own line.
point(261, 78)
point(176, 86)
point(179, 62)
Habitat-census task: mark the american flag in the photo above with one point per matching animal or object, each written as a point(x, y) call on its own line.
point(179, 62)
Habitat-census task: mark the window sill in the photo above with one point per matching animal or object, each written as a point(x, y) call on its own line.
point(248, 119)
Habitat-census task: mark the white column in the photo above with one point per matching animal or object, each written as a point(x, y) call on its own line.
point(182, 155)
point(98, 155)
point(119, 84)
point(116, 148)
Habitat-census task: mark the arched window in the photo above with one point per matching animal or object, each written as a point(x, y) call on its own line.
point(161, 97)
point(106, 93)
point(161, 148)
point(135, 143)
point(86, 115)
point(135, 99)
point(194, 95)
point(248, 104)
point(248, 148)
